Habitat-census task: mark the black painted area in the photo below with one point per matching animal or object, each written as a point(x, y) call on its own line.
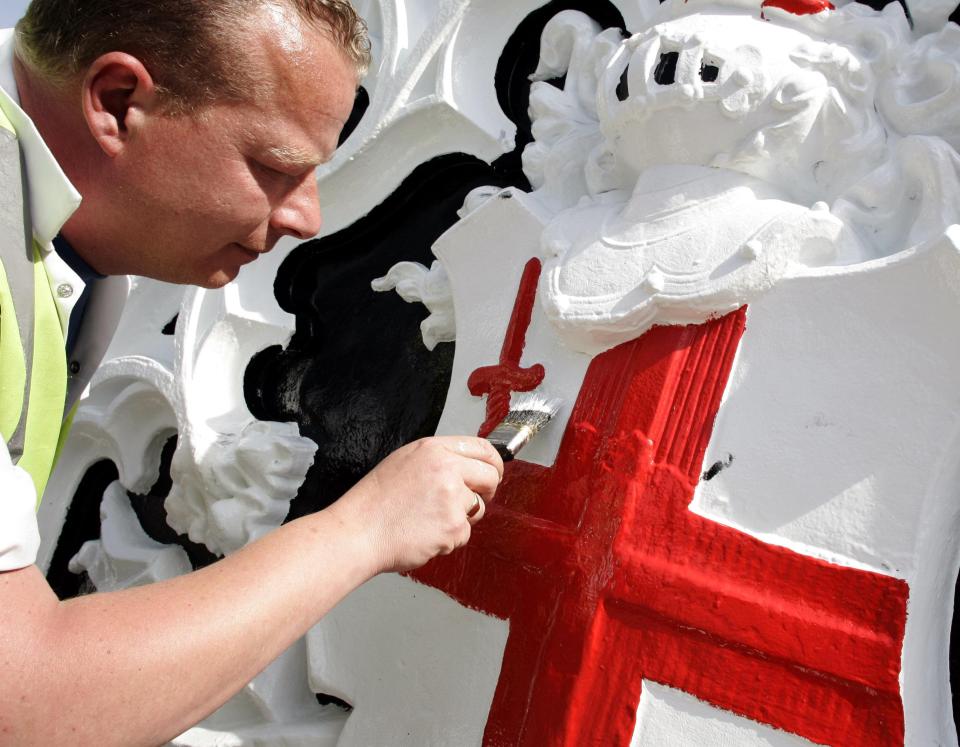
point(325, 700)
point(955, 16)
point(955, 657)
point(356, 375)
point(360, 106)
point(82, 524)
point(717, 467)
point(623, 87)
point(153, 516)
point(666, 71)
point(170, 328)
point(709, 73)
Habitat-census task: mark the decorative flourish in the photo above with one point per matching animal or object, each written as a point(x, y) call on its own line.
point(125, 556)
point(568, 158)
point(922, 96)
point(415, 283)
point(239, 487)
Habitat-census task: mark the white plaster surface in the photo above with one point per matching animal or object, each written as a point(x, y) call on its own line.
point(841, 405)
point(276, 709)
point(672, 718)
point(233, 476)
point(673, 226)
point(419, 668)
point(842, 416)
point(419, 108)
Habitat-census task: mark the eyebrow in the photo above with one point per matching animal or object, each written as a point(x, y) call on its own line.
point(294, 157)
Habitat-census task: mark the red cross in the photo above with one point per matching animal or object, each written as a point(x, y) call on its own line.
point(607, 578)
point(499, 382)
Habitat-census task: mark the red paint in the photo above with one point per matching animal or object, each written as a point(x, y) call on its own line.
point(499, 382)
point(607, 578)
point(799, 7)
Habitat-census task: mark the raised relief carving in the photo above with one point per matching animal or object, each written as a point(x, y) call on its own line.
point(803, 165)
point(125, 556)
point(730, 151)
point(691, 166)
point(239, 487)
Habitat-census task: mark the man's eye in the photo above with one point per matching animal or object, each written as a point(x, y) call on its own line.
point(271, 170)
point(265, 169)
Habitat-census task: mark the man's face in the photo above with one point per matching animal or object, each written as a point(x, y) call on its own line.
point(208, 192)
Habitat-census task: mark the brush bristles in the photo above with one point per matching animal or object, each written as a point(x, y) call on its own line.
point(529, 413)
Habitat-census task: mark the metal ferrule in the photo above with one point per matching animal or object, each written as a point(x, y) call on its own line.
point(508, 439)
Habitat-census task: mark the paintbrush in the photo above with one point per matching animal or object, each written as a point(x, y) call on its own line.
point(529, 413)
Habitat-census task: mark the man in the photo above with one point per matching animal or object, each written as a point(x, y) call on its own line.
point(192, 131)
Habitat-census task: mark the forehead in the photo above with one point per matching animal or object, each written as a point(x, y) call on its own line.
point(306, 85)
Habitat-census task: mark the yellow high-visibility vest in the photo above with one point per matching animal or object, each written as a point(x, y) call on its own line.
point(33, 362)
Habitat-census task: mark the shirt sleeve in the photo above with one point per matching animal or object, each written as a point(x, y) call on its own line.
point(19, 532)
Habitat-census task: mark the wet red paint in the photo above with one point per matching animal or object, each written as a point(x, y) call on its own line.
point(799, 7)
point(607, 578)
point(500, 381)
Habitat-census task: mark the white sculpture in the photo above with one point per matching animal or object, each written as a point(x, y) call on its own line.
point(125, 556)
point(760, 154)
point(804, 166)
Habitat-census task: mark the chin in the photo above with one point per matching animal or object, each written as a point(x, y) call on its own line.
point(218, 279)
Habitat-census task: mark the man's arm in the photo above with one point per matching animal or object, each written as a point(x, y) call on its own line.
point(139, 666)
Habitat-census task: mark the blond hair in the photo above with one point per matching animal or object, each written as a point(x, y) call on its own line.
point(190, 47)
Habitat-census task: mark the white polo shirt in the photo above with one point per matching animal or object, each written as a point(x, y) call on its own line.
point(53, 199)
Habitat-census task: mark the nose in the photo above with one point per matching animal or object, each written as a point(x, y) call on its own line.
point(298, 215)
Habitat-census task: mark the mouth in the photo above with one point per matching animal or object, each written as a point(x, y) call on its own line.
point(249, 254)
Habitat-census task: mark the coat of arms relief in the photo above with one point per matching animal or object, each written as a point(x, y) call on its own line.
point(735, 261)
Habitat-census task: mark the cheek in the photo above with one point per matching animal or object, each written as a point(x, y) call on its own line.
point(221, 201)
point(194, 190)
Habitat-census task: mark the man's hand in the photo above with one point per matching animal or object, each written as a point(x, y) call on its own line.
point(415, 504)
point(131, 657)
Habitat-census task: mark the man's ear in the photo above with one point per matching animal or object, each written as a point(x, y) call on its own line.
point(117, 91)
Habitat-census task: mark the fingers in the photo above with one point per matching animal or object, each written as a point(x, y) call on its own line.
point(425, 498)
point(463, 537)
point(473, 447)
point(478, 508)
point(480, 477)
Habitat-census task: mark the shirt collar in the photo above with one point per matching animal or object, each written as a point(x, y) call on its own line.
point(76, 263)
point(53, 199)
